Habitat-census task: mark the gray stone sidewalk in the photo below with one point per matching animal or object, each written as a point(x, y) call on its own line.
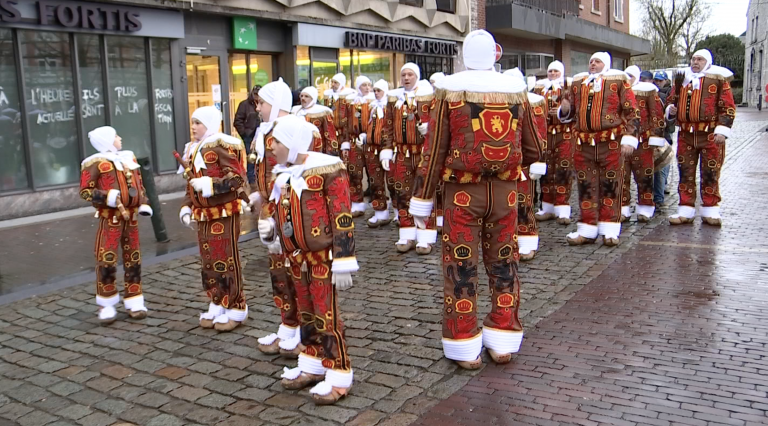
point(58, 366)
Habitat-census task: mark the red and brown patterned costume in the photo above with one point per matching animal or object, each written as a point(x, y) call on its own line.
point(326, 141)
point(527, 228)
point(217, 212)
point(379, 134)
point(482, 133)
point(108, 183)
point(408, 111)
point(359, 122)
point(320, 243)
point(705, 108)
point(605, 116)
point(640, 163)
point(341, 111)
point(556, 184)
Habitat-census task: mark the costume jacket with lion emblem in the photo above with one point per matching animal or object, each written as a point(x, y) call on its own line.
point(710, 108)
point(98, 176)
point(651, 110)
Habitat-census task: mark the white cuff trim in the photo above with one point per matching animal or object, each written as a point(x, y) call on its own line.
point(666, 113)
point(463, 350)
point(563, 211)
point(560, 116)
point(237, 314)
point(586, 230)
point(723, 130)
point(421, 208)
point(502, 341)
point(687, 212)
point(646, 211)
point(609, 229)
point(711, 212)
point(135, 303)
point(426, 236)
point(381, 215)
point(311, 365)
point(408, 234)
point(274, 232)
point(358, 207)
point(345, 265)
point(629, 141)
point(538, 168)
point(345, 146)
point(528, 243)
point(547, 208)
point(145, 210)
point(268, 339)
point(213, 312)
point(112, 198)
point(285, 332)
point(275, 247)
point(385, 154)
point(108, 301)
point(626, 211)
point(439, 221)
point(339, 379)
point(657, 141)
point(291, 343)
point(207, 191)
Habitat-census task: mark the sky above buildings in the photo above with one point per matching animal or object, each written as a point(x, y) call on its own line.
point(728, 16)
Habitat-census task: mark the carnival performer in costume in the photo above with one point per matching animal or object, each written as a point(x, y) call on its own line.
point(556, 185)
point(214, 164)
point(606, 122)
point(311, 191)
point(378, 132)
point(481, 133)
point(409, 125)
point(274, 105)
point(335, 98)
point(111, 182)
point(322, 118)
point(640, 163)
point(702, 101)
point(527, 228)
point(359, 104)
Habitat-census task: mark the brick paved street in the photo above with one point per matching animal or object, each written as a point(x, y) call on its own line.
point(684, 344)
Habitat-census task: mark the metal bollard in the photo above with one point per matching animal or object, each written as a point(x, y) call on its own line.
point(148, 178)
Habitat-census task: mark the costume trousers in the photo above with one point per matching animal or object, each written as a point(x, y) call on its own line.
point(113, 236)
point(322, 331)
point(480, 213)
point(222, 270)
point(599, 170)
point(376, 178)
point(526, 222)
point(401, 179)
point(639, 165)
point(355, 167)
point(692, 149)
point(284, 290)
point(556, 184)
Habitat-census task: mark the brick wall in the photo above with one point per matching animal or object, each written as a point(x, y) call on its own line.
point(478, 14)
point(605, 17)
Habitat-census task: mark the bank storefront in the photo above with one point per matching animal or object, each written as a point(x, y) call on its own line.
point(322, 51)
point(67, 67)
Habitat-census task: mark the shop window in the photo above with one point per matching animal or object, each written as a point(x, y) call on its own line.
point(532, 62)
point(261, 69)
point(50, 105)
point(13, 170)
point(162, 87)
point(448, 6)
point(89, 60)
point(202, 78)
point(302, 65)
point(345, 66)
point(429, 65)
point(579, 62)
point(127, 63)
point(374, 65)
point(509, 62)
point(238, 84)
point(619, 63)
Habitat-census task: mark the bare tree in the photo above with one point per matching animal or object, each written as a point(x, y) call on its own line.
point(695, 29)
point(666, 20)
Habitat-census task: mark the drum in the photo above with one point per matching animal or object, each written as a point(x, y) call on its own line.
point(662, 157)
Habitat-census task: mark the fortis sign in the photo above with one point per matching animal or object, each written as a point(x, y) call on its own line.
point(420, 46)
point(73, 15)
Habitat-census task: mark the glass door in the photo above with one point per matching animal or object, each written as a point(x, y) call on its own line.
point(203, 82)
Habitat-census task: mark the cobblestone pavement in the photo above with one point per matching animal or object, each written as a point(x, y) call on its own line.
point(673, 332)
point(58, 366)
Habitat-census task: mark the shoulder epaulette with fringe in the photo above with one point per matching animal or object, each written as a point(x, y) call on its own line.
point(319, 114)
point(425, 98)
point(482, 98)
point(324, 170)
point(224, 143)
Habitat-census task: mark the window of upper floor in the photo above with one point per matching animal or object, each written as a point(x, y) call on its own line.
point(417, 3)
point(618, 10)
point(596, 6)
point(448, 6)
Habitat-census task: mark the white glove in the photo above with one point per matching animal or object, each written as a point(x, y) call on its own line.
point(385, 156)
point(342, 280)
point(423, 128)
point(345, 146)
point(112, 197)
point(361, 139)
point(534, 176)
point(145, 210)
point(185, 216)
point(421, 222)
point(203, 185)
point(266, 229)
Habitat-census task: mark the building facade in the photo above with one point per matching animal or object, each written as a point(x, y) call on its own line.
point(533, 33)
point(142, 66)
point(755, 44)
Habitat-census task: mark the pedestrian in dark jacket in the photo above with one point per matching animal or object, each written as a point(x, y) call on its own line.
point(660, 177)
point(246, 123)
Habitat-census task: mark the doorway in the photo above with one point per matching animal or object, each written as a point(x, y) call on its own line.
point(203, 82)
